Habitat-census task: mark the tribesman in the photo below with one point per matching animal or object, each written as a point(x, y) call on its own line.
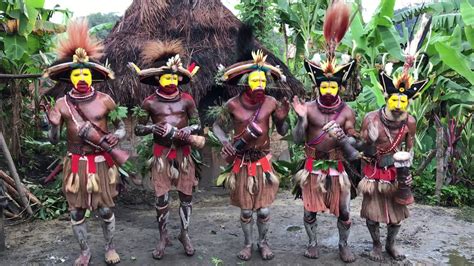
point(251, 180)
point(174, 121)
point(390, 133)
point(326, 126)
point(90, 171)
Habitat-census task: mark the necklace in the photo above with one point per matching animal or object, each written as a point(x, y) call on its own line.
point(82, 98)
point(176, 96)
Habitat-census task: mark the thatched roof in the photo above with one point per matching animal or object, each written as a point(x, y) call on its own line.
point(208, 31)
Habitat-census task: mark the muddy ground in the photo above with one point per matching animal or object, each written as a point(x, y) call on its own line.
point(432, 235)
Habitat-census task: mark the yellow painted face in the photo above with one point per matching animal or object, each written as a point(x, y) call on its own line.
point(397, 102)
point(81, 74)
point(168, 79)
point(257, 79)
point(329, 87)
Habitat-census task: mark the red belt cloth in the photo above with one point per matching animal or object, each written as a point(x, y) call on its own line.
point(172, 153)
point(386, 174)
point(90, 161)
point(309, 166)
point(252, 166)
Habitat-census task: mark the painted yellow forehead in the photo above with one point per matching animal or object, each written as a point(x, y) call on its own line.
point(79, 74)
point(168, 79)
point(257, 79)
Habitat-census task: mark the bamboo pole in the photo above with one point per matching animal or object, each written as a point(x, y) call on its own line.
point(13, 171)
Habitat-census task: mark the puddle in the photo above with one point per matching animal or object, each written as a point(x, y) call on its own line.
point(293, 228)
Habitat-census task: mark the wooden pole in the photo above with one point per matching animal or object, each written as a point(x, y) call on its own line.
point(14, 173)
point(19, 76)
point(440, 167)
point(2, 230)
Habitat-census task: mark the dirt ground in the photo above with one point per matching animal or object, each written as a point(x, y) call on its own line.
point(432, 235)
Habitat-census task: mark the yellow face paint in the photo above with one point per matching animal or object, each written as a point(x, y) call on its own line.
point(329, 87)
point(168, 79)
point(397, 102)
point(257, 79)
point(81, 74)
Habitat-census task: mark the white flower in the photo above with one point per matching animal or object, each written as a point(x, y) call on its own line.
point(345, 58)
point(316, 59)
point(389, 68)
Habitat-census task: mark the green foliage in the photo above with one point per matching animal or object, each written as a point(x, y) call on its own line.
point(101, 24)
point(54, 204)
point(138, 112)
point(119, 113)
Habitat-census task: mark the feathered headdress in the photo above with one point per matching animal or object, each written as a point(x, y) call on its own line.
point(335, 26)
point(163, 57)
point(406, 82)
point(78, 50)
point(249, 60)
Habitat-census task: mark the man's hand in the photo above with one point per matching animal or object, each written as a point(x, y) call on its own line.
point(228, 149)
point(334, 130)
point(161, 129)
point(112, 139)
point(409, 181)
point(282, 109)
point(184, 133)
point(300, 108)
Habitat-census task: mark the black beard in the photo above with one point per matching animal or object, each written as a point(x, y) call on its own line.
point(328, 99)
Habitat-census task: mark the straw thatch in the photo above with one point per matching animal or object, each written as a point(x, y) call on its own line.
point(208, 31)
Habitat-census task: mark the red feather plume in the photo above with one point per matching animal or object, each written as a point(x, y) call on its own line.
point(335, 25)
point(78, 37)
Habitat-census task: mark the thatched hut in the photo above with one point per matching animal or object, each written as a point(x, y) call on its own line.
point(208, 31)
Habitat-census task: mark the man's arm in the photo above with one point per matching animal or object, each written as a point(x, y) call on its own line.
point(142, 129)
point(218, 128)
point(301, 109)
point(194, 123)
point(279, 116)
point(119, 133)
point(55, 121)
point(349, 125)
point(410, 139)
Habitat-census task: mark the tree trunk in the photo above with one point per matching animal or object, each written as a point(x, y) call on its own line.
point(2, 230)
point(16, 120)
point(440, 167)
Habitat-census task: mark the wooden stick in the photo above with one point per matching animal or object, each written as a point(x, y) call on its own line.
point(2, 231)
point(19, 76)
point(13, 201)
point(12, 168)
point(11, 182)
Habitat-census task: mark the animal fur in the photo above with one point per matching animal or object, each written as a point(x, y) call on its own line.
point(160, 50)
point(78, 37)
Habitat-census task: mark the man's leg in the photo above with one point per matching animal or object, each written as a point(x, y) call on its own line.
point(108, 228)
point(311, 226)
point(246, 220)
point(162, 214)
point(344, 225)
point(374, 230)
point(390, 247)
point(263, 217)
point(185, 210)
point(80, 232)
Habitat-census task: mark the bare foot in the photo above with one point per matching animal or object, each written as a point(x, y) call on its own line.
point(159, 251)
point(394, 253)
point(112, 257)
point(265, 251)
point(83, 259)
point(246, 253)
point(346, 254)
point(312, 252)
point(186, 241)
point(376, 253)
